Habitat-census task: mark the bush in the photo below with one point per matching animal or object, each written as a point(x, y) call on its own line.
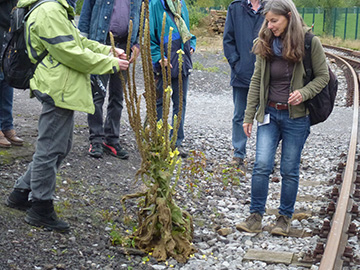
point(195, 16)
point(79, 4)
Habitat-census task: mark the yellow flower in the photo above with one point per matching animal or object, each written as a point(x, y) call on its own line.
point(159, 124)
point(180, 51)
point(168, 89)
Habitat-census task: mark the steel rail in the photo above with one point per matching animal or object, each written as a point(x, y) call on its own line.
point(332, 252)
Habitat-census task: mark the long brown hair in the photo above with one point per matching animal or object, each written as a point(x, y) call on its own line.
point(292, 38)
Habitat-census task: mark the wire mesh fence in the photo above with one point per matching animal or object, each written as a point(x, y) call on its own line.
point(336, 22)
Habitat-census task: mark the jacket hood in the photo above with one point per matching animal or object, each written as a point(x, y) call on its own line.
point(26, 3)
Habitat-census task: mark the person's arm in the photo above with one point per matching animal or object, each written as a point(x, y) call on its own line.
point(85, 17)
point(229, 42)
point(56, 33)
point(253, 97)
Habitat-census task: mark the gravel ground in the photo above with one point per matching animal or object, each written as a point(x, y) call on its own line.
point(89, 191)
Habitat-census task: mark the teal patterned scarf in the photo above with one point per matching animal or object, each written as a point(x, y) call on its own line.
point(175, 8)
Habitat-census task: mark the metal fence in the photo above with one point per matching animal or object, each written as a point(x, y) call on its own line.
point(336, 22)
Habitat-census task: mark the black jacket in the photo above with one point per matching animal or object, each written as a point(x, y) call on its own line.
point(5, 9)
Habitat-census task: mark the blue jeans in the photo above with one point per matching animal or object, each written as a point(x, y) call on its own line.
point(6, 101)
point(176, 103)
point(293, 134)
point(239, 138)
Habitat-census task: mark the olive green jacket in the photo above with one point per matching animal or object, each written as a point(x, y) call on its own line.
point(63, 75)
point(257, 98)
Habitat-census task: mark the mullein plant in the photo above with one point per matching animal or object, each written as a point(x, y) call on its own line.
point(164, 229)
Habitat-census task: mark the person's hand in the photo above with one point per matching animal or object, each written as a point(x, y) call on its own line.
point(191, 51)
point(135, 53)
point(123, 64)
point(119, 53)
point(165, 63)
point(247, 129)
point(295, 98)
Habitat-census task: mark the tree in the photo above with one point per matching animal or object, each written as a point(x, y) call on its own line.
point(329, 8)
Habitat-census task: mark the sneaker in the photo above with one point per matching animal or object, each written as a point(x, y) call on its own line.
point(42, 214)
point(96, 150)
point(19, 199)
point(251, 224)
point(116, 150)
point(282, 226)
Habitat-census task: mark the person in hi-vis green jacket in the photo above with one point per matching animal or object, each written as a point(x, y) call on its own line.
point(61, 82)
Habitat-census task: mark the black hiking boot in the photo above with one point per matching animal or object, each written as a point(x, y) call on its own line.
point(19, 199)
point(42, 214)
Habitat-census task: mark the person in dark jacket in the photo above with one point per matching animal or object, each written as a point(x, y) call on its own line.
point(243, 22)
point(177, 17)
point(97, 19)
point(8, 135)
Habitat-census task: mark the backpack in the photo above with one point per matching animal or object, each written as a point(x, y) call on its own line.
point(320, 106)
point(15, 63)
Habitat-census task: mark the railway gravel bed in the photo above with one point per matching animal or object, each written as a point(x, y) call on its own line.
point(89, 190)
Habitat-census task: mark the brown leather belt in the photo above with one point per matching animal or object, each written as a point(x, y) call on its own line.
point(278, 106)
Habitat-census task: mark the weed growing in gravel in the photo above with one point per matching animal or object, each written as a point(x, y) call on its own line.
point(229, 176)
point(194, 172)
point(199, 66)
point(163, 227)
point(118, 237)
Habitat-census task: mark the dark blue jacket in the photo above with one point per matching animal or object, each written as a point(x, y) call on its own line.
point(94, 22)
point(241, 28)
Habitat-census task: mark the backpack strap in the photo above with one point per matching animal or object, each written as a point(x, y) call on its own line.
point(35, 5)
point(307, 58)
point(45, 52)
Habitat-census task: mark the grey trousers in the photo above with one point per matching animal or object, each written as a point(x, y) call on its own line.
point(54, 142)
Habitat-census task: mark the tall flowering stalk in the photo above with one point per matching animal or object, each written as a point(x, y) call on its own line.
point(163, 227)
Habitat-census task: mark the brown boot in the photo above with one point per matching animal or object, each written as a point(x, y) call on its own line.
point(3, 141)
point(11, 136)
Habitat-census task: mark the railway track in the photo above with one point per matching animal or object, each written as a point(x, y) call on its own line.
point(336, 251)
